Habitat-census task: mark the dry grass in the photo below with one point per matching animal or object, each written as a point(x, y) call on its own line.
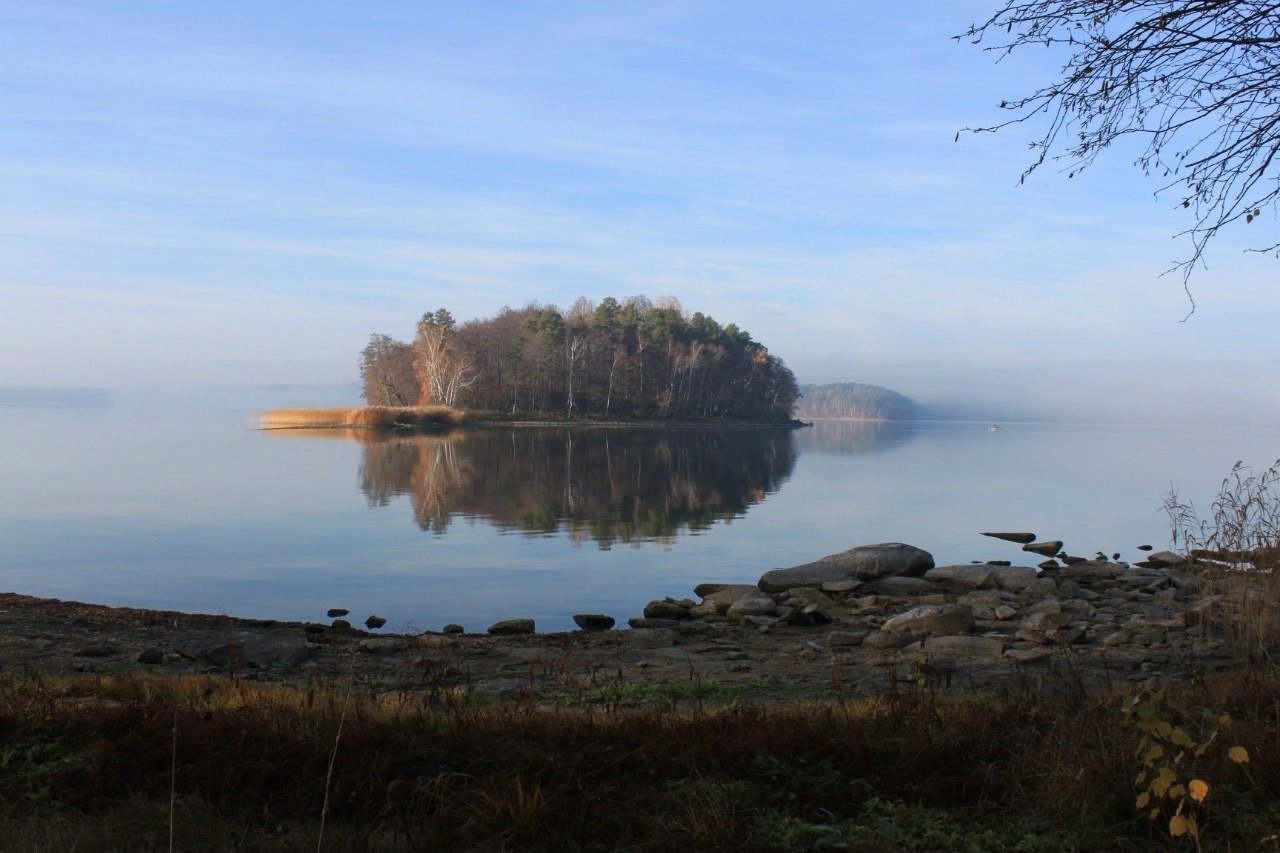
point(368, 416)
point(88, 764)
point(1237, 550)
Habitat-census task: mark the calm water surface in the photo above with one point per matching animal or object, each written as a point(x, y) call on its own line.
point(192, 509)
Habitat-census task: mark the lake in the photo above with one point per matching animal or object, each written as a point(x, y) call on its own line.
point(190, 508)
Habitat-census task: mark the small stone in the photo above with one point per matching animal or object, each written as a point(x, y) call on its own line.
point(374, 622)
point(1071, 560)
point(335, 612)
point(453, 628)
point(1145, 548)
point(1004, 612)
point(593, 621)
point(151, 655)
point(1020, 538)
point(341, 625)
point(1047, 549)
point(508, 627)
point(1048, 565)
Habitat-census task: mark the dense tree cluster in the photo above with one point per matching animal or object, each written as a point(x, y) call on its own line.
point(855, 400)
point(629, 358)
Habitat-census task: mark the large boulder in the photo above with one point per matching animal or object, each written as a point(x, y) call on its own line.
point(932, 619)
point(866, 562)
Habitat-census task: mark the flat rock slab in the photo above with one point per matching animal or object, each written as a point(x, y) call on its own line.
point(961, 647)
point(1045, 549)
point(865, 562)
point(1020, 538)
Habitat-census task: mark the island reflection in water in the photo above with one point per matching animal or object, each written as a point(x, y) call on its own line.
point(602, 485)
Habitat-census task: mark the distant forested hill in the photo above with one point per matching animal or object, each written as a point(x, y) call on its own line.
point(854, 400)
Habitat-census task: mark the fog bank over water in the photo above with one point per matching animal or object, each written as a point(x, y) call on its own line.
point(1093, 395)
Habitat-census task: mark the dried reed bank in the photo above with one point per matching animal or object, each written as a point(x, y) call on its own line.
point(384, 417)
point(94, 763)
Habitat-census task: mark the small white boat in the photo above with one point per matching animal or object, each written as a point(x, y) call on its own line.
point(993, 428)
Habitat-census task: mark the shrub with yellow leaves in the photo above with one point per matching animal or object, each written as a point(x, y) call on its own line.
point(1169, 754)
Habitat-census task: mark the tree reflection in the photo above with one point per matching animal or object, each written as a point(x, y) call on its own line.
point(604, 485)
point(854, 437)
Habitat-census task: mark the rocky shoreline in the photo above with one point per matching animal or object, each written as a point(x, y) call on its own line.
point(873, 618)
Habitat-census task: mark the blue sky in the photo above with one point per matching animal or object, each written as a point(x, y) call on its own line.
point(236, 193)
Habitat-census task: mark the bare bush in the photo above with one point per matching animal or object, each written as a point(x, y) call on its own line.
point(1237, 548)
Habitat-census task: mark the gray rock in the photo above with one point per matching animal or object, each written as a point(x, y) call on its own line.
point(1004, 612)
point(666, 624)
point(341, 625)
point(374, 622)
point(719, 597)
point(1028, 655)
point(1048, 565)
point(804, 596)
point(1161, 560)
point(841, 587)
point(900, 586)
point(335, 612)
point(761, 621)
point(453, 628)
point(845, 639)
point(593, 621)
point(1013, 578)
point(933, 619)
point(1047, 549)
point(961, 646)
point(279, 647)
point(1020, 538)
point(971, 577)
point(754, 604)
point(888, 639)
point(151, 655)
point(666, 609)
point(1041, 587)
point(862, 563)
point(1046, 621)
point(508, 627)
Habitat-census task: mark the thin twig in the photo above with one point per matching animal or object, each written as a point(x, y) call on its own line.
point(173, 775)
point(333, 757)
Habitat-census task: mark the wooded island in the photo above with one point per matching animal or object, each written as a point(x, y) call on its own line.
point(632, 358)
